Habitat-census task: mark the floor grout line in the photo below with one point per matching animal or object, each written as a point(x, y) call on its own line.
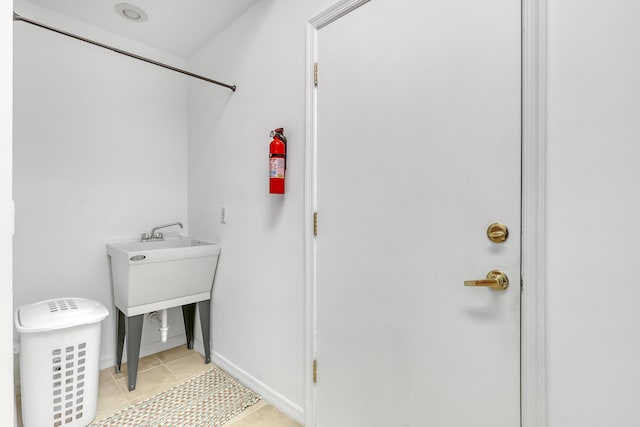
point(178, 353)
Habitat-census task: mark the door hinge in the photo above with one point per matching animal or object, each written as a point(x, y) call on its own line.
point(315, 74)
point(315, 224)
point(315, 371)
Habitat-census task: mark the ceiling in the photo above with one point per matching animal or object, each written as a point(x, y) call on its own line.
point(179, 27)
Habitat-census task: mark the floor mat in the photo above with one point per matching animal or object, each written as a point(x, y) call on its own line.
point(208, 400)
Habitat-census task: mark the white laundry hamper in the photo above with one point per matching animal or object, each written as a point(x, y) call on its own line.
point(59, 361)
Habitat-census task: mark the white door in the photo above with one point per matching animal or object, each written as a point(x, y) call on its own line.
point(418, 152)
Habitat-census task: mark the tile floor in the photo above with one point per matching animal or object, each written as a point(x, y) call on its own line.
point(161, 371)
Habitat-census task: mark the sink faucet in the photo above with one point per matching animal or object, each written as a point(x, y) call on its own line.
point(155, 235)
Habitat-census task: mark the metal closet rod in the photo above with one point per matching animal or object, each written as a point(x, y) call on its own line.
point(17, 17)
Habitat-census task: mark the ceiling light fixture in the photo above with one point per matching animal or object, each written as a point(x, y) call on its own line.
point(131, 12)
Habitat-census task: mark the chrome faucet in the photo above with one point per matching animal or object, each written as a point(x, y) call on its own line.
point(155, 235)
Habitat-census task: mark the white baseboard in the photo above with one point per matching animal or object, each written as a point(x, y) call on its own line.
point(110, 361)
point(276, 399)
point(145, 350)
point(267, 393)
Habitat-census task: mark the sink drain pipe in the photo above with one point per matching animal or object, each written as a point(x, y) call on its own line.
point(162, 320)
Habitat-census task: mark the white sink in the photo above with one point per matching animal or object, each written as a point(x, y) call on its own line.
point(155, 275)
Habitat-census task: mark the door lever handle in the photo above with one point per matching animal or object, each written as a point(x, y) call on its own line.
point(496, 280)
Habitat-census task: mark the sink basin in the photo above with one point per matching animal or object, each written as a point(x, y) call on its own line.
point(155, 275)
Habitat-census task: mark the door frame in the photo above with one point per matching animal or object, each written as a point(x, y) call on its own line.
point(533, 208)
point(8, 415)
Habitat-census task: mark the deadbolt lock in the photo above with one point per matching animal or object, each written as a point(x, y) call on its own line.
point(496, 280)
point(497, 232)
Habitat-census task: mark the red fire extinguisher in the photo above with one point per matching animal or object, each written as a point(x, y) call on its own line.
point(277, 161)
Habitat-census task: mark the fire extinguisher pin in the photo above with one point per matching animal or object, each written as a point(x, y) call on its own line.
point(279, 132)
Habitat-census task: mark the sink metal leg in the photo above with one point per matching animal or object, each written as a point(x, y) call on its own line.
point(189, 316)
point(205, 320)
point(120, 326)
point(134, 335)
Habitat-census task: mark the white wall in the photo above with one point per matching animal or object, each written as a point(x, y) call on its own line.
point(258, 295)
point(594, 202)
point(594, 213)
point(7, 408)
point(100, 152)
point(75, 163)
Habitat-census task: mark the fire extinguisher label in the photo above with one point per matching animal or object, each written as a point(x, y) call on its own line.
point(276, 167)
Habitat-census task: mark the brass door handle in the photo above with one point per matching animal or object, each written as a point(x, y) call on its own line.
point(496, 279)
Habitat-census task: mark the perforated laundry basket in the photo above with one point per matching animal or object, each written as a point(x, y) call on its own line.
point(59, 361)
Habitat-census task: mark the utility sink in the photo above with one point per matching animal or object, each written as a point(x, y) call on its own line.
point(155, 275)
